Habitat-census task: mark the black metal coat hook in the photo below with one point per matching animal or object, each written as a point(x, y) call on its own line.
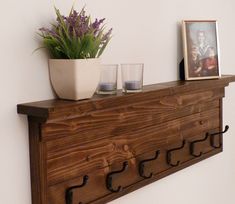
point(169, 153)
point(192, 146)
point(141, 165)
point(212, 137)
point(69, 191)
point(109, 178)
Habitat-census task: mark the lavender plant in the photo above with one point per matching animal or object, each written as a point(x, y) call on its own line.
point(75, 36)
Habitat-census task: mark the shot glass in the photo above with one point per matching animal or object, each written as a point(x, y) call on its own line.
point(132, 77)
point(108, 79)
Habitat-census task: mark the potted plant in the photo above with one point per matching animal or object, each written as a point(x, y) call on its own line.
point(75, 44)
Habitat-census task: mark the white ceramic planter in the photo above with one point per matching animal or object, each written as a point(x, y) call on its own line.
point(75, 79)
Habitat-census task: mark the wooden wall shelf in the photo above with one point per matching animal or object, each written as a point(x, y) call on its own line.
point(96, 150)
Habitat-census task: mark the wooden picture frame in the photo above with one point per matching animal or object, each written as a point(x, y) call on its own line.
point(201, 49)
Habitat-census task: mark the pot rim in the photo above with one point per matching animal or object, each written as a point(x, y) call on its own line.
point(87, 59)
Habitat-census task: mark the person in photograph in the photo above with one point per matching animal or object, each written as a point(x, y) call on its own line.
point(202, 44)
point(195, 63)
point(210, 64)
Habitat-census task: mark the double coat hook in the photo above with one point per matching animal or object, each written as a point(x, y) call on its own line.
point(109, 178)
point(192, 146)
point(169, 155)
point(212, 137)
point(142, 165)
point(69, 191)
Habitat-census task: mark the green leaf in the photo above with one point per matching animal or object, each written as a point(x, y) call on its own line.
point(67, 45)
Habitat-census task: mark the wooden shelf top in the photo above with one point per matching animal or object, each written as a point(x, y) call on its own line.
point(43, 109)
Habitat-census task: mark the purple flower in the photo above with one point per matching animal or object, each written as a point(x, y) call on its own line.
point(47, 31)
point(97, 23)
point(78, 24)
point(71, 29)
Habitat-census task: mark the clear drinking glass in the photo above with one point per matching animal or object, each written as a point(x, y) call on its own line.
point(132, 77)
point(108, 79)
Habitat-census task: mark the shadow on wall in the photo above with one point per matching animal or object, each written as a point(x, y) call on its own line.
point(179, 47)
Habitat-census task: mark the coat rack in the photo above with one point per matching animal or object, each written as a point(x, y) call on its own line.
point(96, 150)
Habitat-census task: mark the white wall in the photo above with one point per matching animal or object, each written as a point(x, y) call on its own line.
point(144, 31)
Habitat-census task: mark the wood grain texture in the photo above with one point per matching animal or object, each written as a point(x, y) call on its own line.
point(71, 139)
point(96, 125)
point(37, 164)
point(54, 109)
point(75, 159)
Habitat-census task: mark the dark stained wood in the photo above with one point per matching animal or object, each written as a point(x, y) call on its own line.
point(62, 108)
point(96, 125)
point(221, 121)
point(70, 139)
point(37, 164)
point(73, 160)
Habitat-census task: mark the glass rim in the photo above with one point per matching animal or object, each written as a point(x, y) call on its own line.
point(110, 65)
point(132, 64)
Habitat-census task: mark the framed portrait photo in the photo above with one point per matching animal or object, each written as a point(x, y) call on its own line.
point(201, 49)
